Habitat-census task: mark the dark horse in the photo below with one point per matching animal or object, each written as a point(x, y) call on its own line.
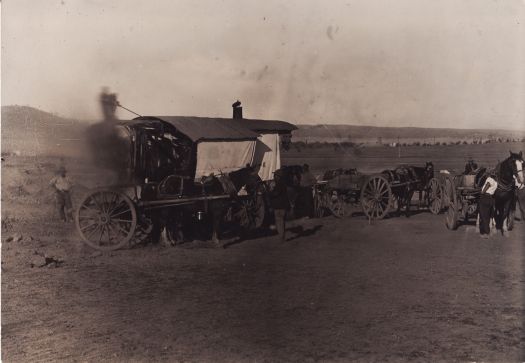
point(506, 171)
point(422, 175)
point(405, 180)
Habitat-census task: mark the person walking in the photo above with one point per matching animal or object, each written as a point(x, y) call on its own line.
point(280, 204)
point(486, 205)
point(62, 185)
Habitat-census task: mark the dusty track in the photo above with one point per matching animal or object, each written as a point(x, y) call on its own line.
point(400, 289)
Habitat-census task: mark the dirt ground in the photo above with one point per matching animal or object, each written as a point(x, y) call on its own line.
point(400, 289)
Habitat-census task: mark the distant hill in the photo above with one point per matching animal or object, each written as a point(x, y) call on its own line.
point(29, 131)
point(372, 135)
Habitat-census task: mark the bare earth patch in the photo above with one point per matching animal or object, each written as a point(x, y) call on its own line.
point(401, 289)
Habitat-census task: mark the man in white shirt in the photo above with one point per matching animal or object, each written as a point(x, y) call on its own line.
point(520, 195)
point(62, 185)
point(486, 204)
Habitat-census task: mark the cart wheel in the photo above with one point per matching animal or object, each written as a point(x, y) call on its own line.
point(434, 196)
point(319, 204)
point(452, 215)
point(337, 205)
point(106, 220)
point(256, 211)
point(376, 197)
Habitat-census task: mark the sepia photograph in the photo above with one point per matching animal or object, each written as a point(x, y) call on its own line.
point(262, 181)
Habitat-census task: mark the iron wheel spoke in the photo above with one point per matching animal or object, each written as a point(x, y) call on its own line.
point(120, 213)
point(82, 228)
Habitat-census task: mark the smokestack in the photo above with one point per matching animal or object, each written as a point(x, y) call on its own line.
point(237, 110)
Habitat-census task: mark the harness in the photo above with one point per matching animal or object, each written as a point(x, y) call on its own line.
point(503, 186)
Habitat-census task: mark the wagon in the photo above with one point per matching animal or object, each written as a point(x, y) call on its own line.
point(337, 189)
point(460, 195)
point(179, 174)
point(392, 189)
point(380, 194)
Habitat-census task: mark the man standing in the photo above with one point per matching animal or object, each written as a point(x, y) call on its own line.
point(486, 204)
point(470, 167)
point(280, 204)
point(306, 183)
point(520, 195)
point(62, 185)
point(109, 103)
point(253, 180)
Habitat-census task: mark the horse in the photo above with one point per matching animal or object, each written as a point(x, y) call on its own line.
point(422, 176)
point(216, 210)
point(506, 172)
point(409, 179)
point(400, 180)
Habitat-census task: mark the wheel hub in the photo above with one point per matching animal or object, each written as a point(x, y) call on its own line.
point(104, 219)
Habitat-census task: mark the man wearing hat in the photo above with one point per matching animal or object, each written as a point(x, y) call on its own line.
point(280, 203)
point(470, 167)
point(62, 185)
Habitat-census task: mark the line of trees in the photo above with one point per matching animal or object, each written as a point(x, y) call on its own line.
point(301, 145)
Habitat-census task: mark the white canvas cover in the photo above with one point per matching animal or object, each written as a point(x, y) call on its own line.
point(223, 156)
point(267, 155)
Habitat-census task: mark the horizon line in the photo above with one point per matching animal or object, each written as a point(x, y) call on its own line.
point(302, 124)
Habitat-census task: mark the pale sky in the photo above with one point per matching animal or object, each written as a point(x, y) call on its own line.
point(427, 63)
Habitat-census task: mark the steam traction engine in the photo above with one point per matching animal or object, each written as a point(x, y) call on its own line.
point(179, 174)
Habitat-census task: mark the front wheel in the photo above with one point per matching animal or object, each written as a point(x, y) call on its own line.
point(106, 220)
point(255, 212)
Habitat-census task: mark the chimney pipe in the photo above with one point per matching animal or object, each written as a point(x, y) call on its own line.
point(237, 110)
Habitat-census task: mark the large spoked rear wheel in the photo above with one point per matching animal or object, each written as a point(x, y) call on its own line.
point(434, 196)
point(106, 220)
point(376, 197)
